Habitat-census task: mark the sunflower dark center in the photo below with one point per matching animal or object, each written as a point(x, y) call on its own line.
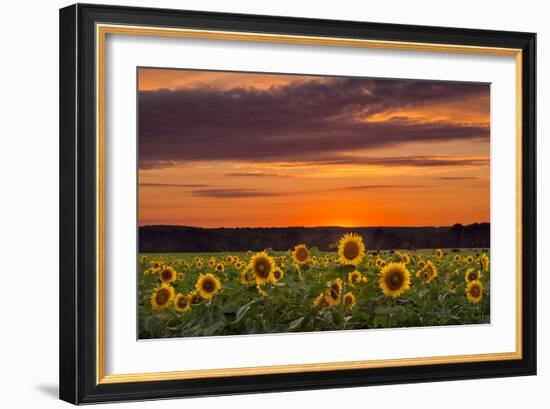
point(166, 274)
point(334, 291)
point(182, 302)
point(394, 280)
point(472, 276)
point(262, 267)
point(302, 254)
point(208, 285)
point(351, 250)
point(162, 296)
point(347, 300)
point(475, 291)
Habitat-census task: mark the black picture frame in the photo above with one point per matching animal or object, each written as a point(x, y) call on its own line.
point(78, 317)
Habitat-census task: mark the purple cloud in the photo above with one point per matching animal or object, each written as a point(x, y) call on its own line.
point(252, 192)
point(458, 178)
point(301, 121)
point(187, 185)
point(232, 193)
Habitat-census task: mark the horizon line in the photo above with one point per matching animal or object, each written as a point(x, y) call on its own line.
point(310, 227)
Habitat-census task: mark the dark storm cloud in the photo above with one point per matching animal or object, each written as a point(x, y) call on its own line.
point(295, 122)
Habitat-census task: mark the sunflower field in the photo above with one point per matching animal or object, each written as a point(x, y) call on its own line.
point(304, 289)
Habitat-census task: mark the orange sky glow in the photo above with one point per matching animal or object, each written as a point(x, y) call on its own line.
point(227, 149)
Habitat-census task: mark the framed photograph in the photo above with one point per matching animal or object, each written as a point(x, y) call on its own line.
point(258, 203)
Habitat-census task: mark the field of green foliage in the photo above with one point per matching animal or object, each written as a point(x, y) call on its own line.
point(303, 289)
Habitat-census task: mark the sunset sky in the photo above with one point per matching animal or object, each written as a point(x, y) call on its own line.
point(259, 150)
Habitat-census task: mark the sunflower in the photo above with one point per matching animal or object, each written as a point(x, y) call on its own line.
point(278, 274)
point(349, 300)
point(452, 287)
point(484, 260)
point(431, 271)
point(143, 259)
point(208, 285)
point(263, 293)
point(149, 271)
point(351, 249)
point(333, 293)
point(180, 277)
point(421, 264)
point(395, 279)
point(354, 278)
point(246, 277)
point(457, 257)
point(220, 268)
point(428, 273)
point(199, 263)
point(438, 253)
point(469, 259)
point(155, 266)
point(422, 274)
point(321, 301)
point(300, 254)
point(474, 291)
point(262, 266)
point(167, 275)
point(194, 298)
point(471, 275)
point(211, 262)
point(405, 259)
point(182, 303)
point(162, 296)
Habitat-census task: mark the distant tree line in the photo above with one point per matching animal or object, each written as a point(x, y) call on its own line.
point(183, 239)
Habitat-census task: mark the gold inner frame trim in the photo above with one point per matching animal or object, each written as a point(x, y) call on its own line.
point(101, 33)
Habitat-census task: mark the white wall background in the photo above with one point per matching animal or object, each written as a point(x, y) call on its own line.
point(29, 200)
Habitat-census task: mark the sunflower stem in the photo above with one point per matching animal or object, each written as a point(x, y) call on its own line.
point(162, 326)
point(342, 306)
point(271, 313)
point(209, 308)
point(391, 305)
